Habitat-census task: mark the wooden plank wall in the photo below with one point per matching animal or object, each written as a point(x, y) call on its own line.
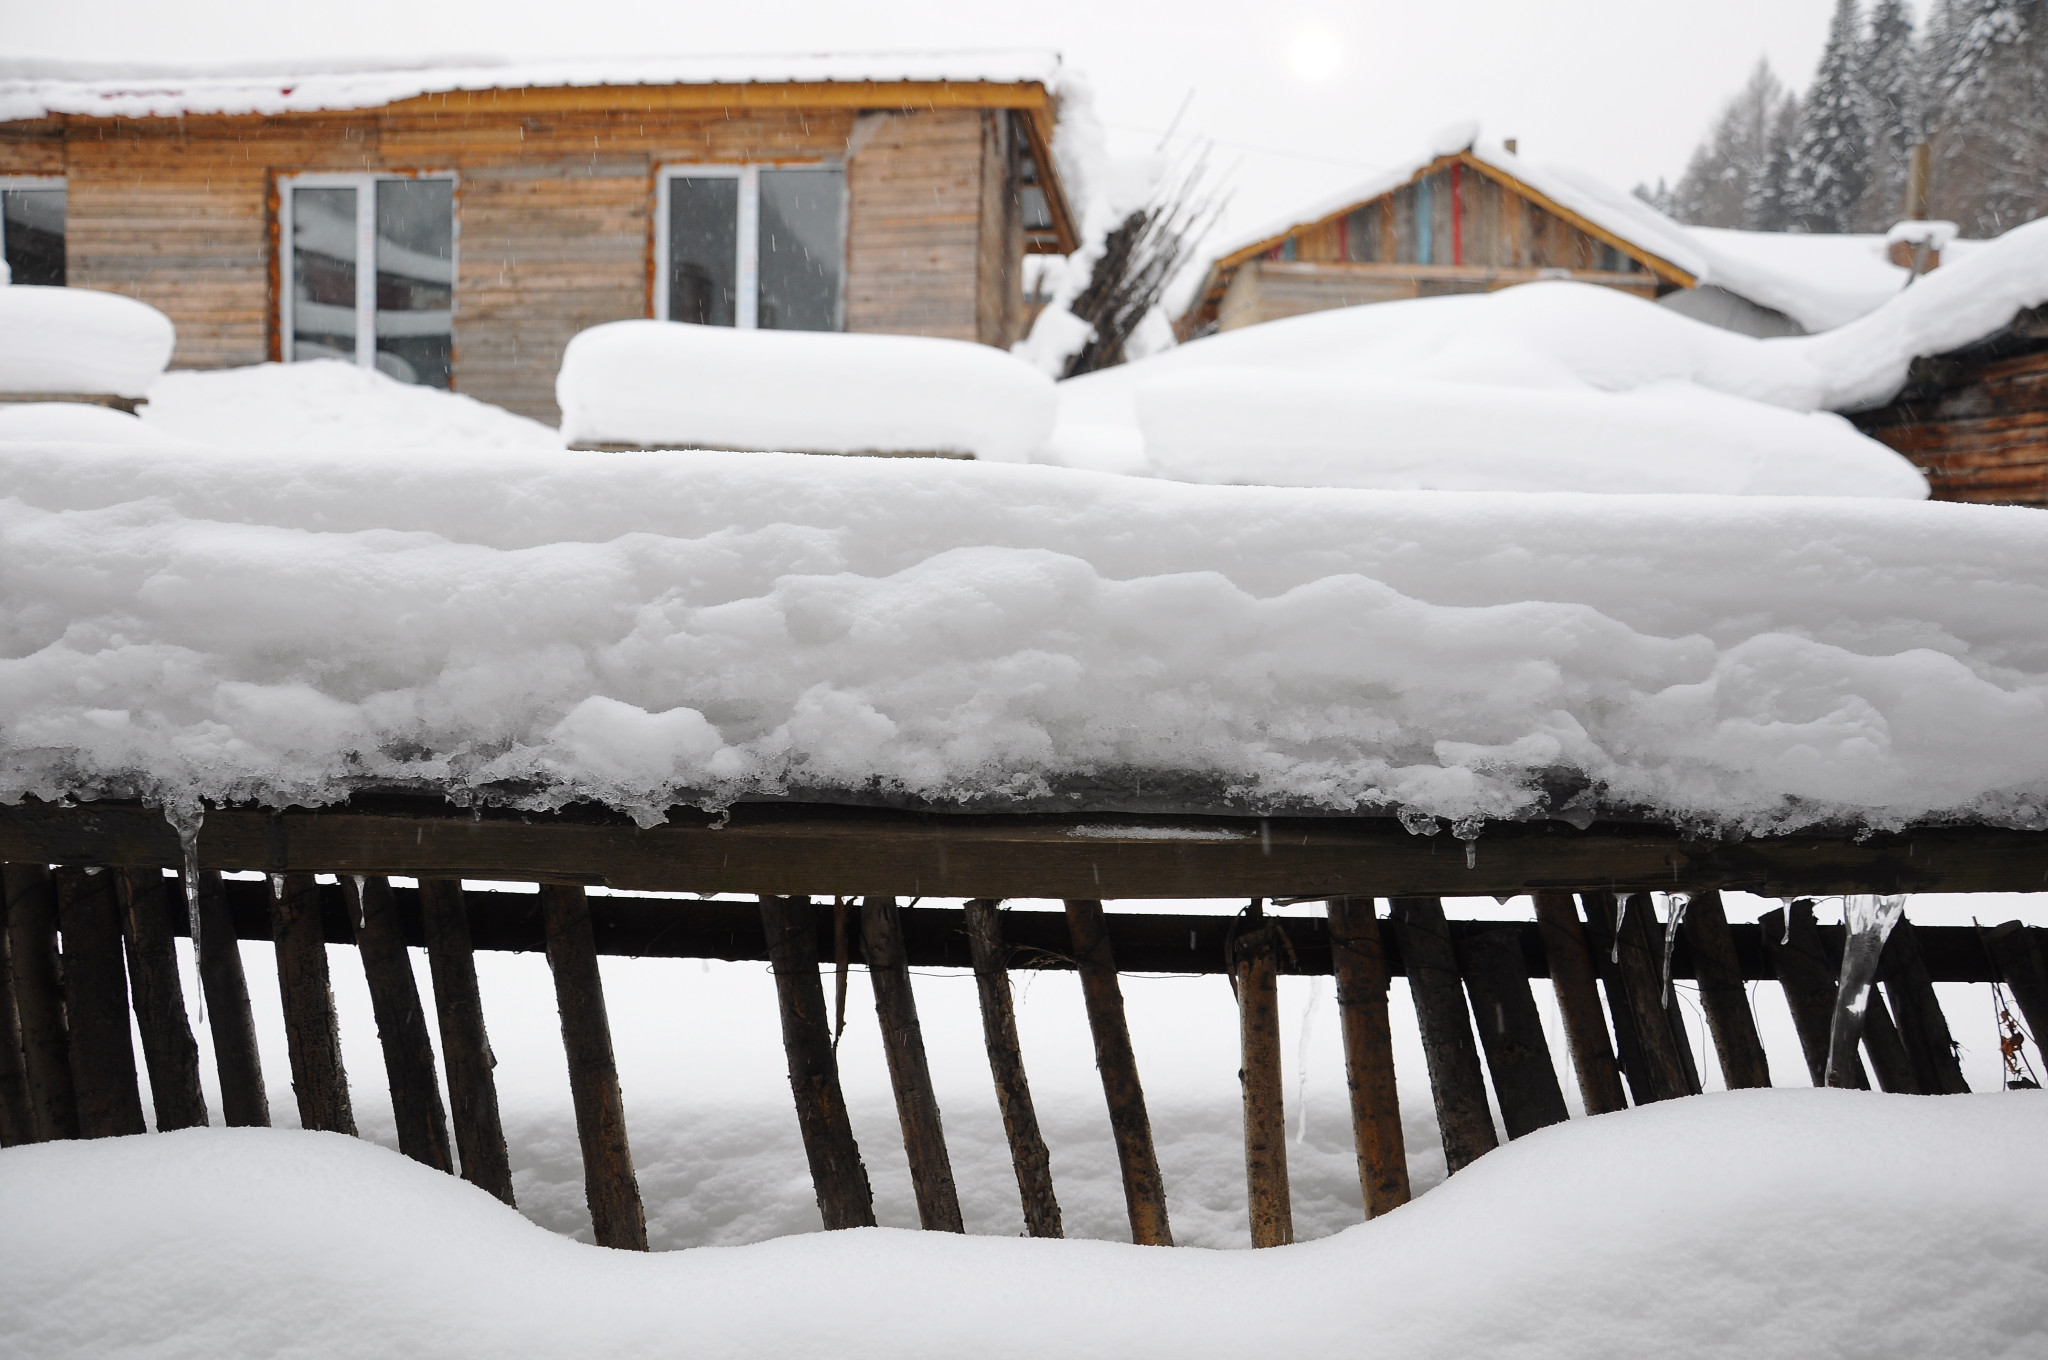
point(999, 270)
point(1977, 427)
point(555, 218)
point(1266, 290)
point(913, 238)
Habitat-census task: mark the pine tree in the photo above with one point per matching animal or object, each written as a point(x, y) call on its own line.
point(1724, 171)
point(1989, 102)
point(1893, 110)
point(1769, 204)
point(1831, 151)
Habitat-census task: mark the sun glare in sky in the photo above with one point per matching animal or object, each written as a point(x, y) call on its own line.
point(1314, 54)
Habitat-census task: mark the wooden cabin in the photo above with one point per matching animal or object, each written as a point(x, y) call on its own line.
point(1468, 220)
point(1975, 420)
point(506, 209)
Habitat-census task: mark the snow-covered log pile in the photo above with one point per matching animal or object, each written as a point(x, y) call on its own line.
point(659, 384)
point(1911, 1227)
point(76, 340)
point(643, 629)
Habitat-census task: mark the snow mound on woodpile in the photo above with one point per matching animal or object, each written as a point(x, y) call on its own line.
point(1753, 1223)
point(673, 385)
point(1545, 387)
point(643, 629)
point(78, 340)
point(329, 406)
point(72, 422)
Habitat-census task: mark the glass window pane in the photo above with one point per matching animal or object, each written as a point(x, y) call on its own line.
point(416, 280)
point(32, 223)
point(323, 273)
point(703, 250)
point(803, 248)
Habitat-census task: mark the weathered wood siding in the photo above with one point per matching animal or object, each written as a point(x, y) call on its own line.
point(555, 217)
point(1977, 426)
point(1267, 290)
point(914, 226)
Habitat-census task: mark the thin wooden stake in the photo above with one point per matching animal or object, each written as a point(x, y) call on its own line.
point(17, 1115)
point(158, 996)
point(1922, 1026)
point(617, 1218)
point(1117, 1063)
point(244, 1101)
point(837, 1173)
point(1573, 979)
point(1723, 996)
point(96, 1005)
point(1642, 984)
point(1455, 1078)
point(39, 1000)
point(1028, 1155)
point(917, 1108)
point(1268, 1199)
point(1808, 979)
point(1511, 1031)
point(401, 1022)
point(465, 1044)
point(1600, 908)
point(1359, 960)
point(311, 1030)
point(1889, 1062)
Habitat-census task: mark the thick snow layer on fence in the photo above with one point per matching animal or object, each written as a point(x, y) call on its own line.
point(80, 340)
point(671, 385)
point(641, 628)
point(1753, 1223)
point(1549, 386)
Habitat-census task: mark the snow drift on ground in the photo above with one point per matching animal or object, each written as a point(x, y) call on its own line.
point(674, 385)
point(1548, 386)
point(643, 628)
point(78, 340)
point(71, 422)
point(1756, 1223)
point(327, 406)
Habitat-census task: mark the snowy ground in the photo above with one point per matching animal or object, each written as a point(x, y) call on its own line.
point(714, 1133)
point(1773, 1223)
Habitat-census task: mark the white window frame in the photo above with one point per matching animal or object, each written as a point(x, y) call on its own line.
point(36, 182)
point(746, 311)
point(365, 185)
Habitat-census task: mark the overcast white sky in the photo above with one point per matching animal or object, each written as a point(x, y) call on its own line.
point(1301, 96)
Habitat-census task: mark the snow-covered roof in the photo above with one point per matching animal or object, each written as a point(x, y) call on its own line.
point(1820, 281)
point(36, 89)
point(1617, 214)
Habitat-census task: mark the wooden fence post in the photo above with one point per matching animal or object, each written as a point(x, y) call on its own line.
point(617, 1217)
point(1600, 908)
point(1808, 979)
point(1028, 1154)
point(311, 1030)
point(39, 1000)
point(1455, 1079)
point(401, 1022)
point(1358, 958)
point(917, 1108)
point(1268, 1199)
point(1511, 1030)
point(465, 1044)
point(1642, 983)
point(96, 1005)
point(17, 1115)
point(1723, 996)
point(1922, 1026)
point(1572, 977)
point(168, 1048)
point(1129, 1124)
point(837, 1173)
point(1890, 1065)
point(243, 1100)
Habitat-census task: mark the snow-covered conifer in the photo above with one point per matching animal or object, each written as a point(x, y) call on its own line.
point(1831, 152)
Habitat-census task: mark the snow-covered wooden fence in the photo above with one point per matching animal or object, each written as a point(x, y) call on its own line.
point(92, 914)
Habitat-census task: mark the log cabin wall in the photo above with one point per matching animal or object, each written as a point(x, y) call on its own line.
point(1976, 422)
point(555, 216)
